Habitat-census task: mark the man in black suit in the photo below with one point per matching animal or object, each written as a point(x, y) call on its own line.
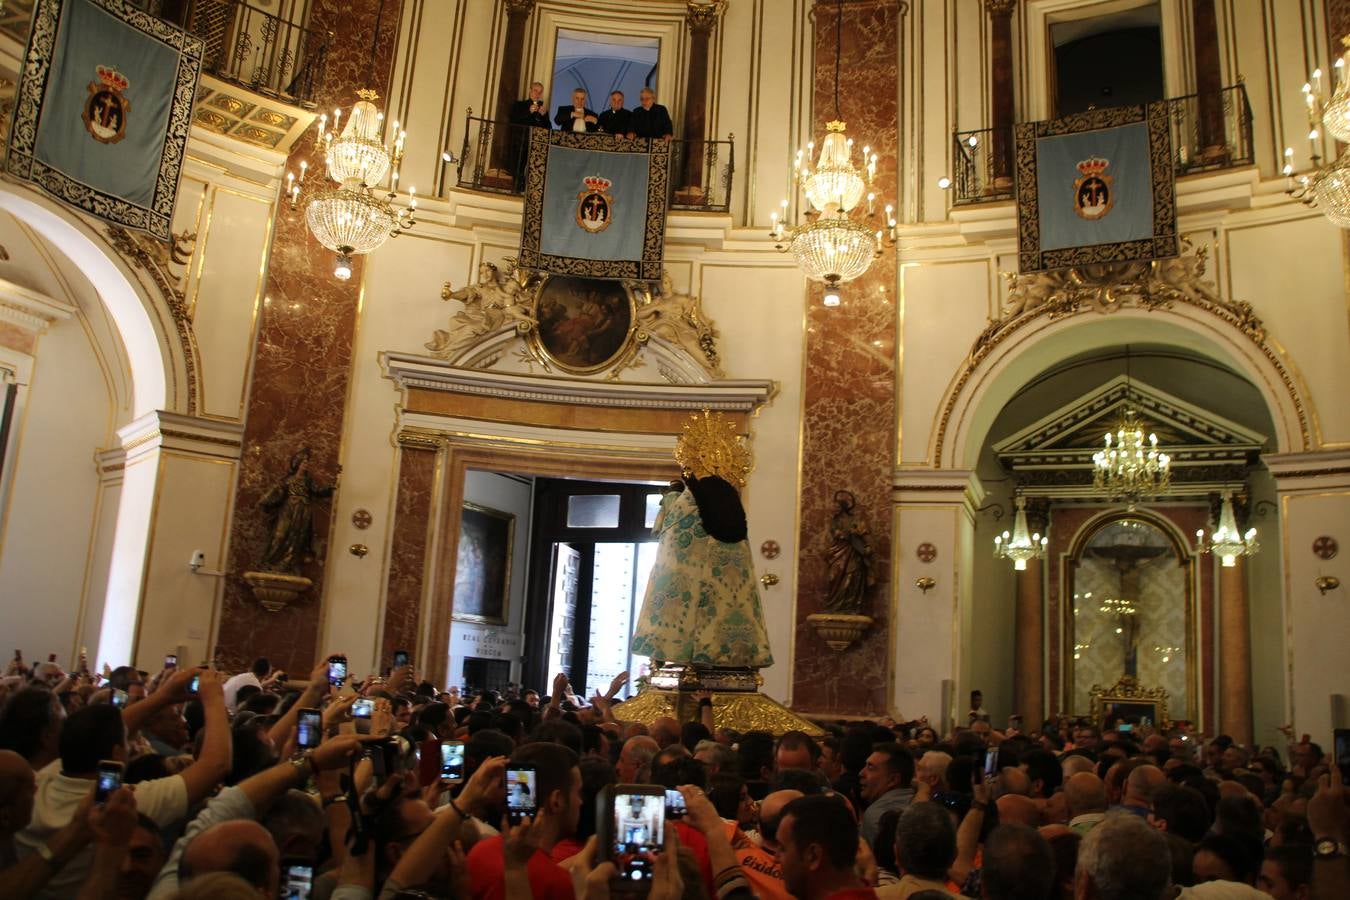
point(615, 119)
point(650, 119)
point(577, 117)
point(532, 112)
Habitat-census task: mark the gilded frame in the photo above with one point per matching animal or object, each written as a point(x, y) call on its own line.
point(538, 335)
point(1129, 694)
point(1162, 243)
point(500, 612)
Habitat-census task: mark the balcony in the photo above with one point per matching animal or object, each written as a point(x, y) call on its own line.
point(1208, 133)
point(492, 160)
point(245, 46)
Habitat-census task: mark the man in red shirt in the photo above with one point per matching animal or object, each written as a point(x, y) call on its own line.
point(558, 789)
point(818, 838)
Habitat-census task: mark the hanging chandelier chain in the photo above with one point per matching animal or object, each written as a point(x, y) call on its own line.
point(838, 52)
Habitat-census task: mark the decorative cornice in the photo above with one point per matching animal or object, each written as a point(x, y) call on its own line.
point(29, 309)
point(410, 371)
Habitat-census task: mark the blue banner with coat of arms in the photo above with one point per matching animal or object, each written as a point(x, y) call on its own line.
point(595, 205)
point(103, 110)
point(1095, 187)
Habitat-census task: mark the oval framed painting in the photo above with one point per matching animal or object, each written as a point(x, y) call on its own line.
point(585, 325)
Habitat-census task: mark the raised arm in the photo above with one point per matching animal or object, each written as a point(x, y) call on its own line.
point(213, 763)
point(420, 861)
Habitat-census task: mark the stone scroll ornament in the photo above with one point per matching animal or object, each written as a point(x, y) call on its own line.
point(502, 310)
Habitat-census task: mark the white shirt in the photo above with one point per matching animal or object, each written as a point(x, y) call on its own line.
point(164, 800)
point(232, 687)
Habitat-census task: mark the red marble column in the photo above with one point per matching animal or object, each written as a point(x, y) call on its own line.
point(701, 19)
point(848, 440)
point(1001, 87)
point(1235, 653)
point(1208, 80)
point(408, 551)
point(302, 363)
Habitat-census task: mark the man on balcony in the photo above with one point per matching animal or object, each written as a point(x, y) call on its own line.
point(615, 120)
point(577, 117)
point(650, 119)
point(532, 112)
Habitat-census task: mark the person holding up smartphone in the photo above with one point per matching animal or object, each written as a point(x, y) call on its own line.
point(558, 801)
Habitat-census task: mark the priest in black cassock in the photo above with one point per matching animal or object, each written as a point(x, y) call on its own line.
point(650, 119)
point(532, 112)
point(615, 120)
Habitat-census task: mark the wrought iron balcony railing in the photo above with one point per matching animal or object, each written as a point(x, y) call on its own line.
point(1209, 132)
point(255, 49)
point(493, 159)
point(245, 45)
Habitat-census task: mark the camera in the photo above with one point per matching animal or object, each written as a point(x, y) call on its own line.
point(452, 761)
point(632, 823)
point(521, 793)
point(109, 780)
point(337, 670)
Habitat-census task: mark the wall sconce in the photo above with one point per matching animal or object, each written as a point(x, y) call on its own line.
point(768, 579)
point(358, 550)
point(925, 584)
point(1327, 583)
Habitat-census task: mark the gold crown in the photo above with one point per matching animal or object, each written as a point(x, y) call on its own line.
point(835, 125)
point(711, 446)
point(367, 94)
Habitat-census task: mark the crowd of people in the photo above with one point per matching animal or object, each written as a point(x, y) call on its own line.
point(192, 784)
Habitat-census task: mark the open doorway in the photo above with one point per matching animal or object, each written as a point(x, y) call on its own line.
point(550, 575)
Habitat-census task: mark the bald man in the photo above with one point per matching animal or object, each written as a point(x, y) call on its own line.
point(665, 731)
point(1019, 809)
point(18, 788)
point(1085, 795)
point(1012, 780)
point(1072, 765)
point(1140, 786)
point(771, 814)
point(635, 760)
point(240, 846)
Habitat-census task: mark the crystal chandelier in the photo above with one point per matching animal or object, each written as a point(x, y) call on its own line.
point(1131, 467)
point(1020, 546)
point(353, 217)
point(830, 244)
point(1118, 606)
point(1226, 542)
point(1326, 185)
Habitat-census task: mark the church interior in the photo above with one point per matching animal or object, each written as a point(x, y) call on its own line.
point(1073, 482)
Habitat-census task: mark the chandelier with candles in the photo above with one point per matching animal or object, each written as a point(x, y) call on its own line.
point(1225, 541)
point(1327, 184)
point(358, 215)
point(836, 239)
point(1020, 546)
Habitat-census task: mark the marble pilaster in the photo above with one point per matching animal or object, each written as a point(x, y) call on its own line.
point(408, 550)
point(302, 365)
point(848, 440)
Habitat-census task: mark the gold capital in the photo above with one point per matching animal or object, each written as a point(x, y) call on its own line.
point(702, 15)
point(1000, 7)
point(519, 7)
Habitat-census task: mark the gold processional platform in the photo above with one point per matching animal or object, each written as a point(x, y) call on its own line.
point(737, 701)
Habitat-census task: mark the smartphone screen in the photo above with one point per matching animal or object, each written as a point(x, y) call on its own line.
point(337, 670)
point(309, 729)
point(452, 761)
point(195, 685)
point(109, 780)
point(675, 806)
point(639, 831)
point(297, 880)
point(119, 698)
point(400, 658)
point(990, 763)
point(1124, 727)
point(171, 661)
point(1342, 738)
point(362, 708)
point(521, 791)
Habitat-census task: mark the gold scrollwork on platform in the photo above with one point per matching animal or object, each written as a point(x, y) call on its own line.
point(1128, 698)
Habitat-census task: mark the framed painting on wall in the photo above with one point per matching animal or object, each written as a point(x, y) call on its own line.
point(483, 565)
